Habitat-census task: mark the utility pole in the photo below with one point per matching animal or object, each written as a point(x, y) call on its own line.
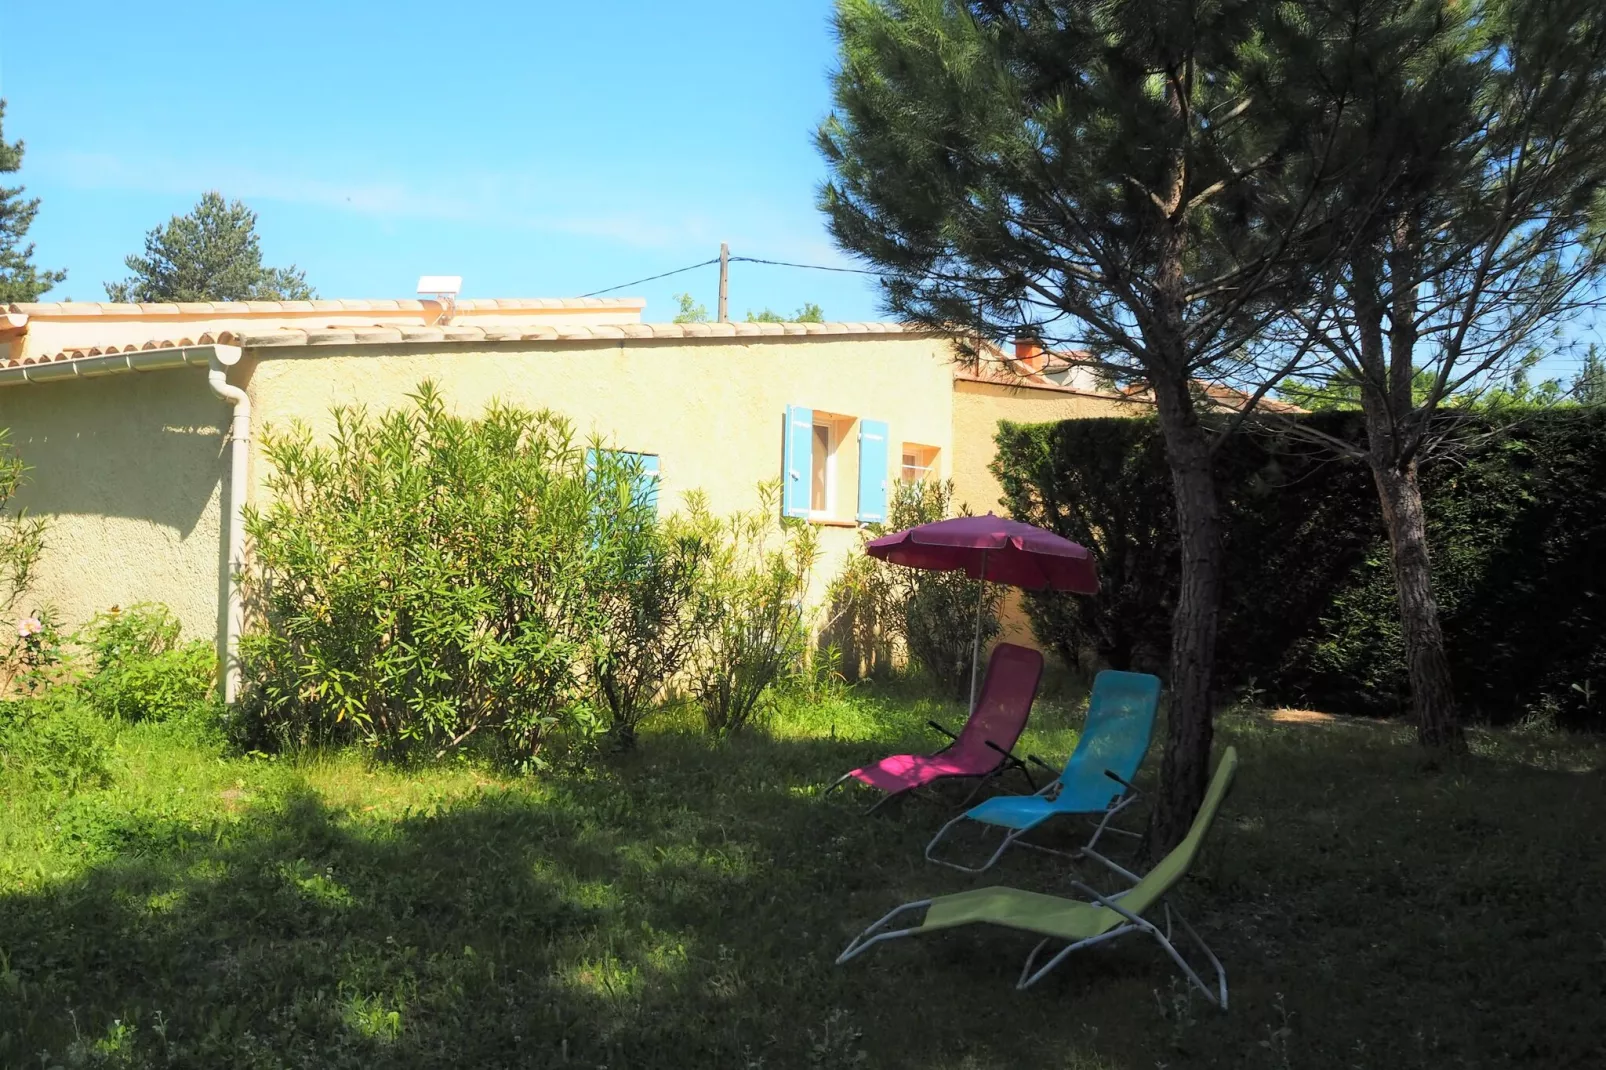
point(724, 282)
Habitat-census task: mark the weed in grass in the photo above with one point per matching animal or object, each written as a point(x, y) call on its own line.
point(836, 1044)
point(1277, 1033)
point(1176, 1009)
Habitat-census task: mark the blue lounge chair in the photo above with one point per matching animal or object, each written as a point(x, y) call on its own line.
point(1097, 779)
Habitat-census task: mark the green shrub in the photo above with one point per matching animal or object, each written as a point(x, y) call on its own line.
point(931, 615)
point(646, 601)
point(141, 670)
point(863, 627)
point(940, 608)
point(1516, 524)
point(750, 628)
point(119, 636)
point(22, 537)
point(427, 581)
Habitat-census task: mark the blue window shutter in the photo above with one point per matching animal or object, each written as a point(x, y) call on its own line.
point(872, 472)
point(646, 488)
point(797, 461)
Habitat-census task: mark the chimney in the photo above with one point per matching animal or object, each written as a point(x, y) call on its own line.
point(1029, 351)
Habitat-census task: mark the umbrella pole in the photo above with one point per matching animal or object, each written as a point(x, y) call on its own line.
point(975, 643)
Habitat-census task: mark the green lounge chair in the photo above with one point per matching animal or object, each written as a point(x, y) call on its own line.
point(1076, 922)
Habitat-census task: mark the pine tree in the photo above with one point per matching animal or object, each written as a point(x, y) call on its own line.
point(1128, 179)
point(212, 254)
point(1479, 137)
point(19, 279)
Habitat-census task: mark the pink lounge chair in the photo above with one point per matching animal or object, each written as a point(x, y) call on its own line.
point(983, 748)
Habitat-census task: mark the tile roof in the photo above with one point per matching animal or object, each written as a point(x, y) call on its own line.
point(998, 377)
point(999, 368)
point(206, 338)
point(389, 334)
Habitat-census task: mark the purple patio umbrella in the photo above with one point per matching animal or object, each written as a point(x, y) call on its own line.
point(992, 549)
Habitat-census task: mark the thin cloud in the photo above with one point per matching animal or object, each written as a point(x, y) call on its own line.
point(486, 200)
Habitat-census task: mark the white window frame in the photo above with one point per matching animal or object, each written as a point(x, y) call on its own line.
point(921, 452)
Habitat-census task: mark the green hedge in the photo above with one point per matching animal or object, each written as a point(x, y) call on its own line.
point(1517, 525)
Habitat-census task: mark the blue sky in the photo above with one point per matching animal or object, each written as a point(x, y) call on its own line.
point(538, 149)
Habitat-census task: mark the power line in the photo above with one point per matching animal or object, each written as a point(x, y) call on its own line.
point(651, 278)
point(769, 263)
point(807, 267)
point(927, 276)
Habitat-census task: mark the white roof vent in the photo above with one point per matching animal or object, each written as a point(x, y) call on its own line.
point(442, 288)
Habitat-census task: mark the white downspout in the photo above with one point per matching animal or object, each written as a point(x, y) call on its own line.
point(234, 520)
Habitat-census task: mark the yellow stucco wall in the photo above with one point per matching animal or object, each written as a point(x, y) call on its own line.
point(713, 411)
point(128, 469)
point(978, 409)
point(131, 468)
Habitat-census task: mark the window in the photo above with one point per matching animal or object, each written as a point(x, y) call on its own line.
point(822, 490)
point(919, 462)
point(825, 457)
point(643, 469)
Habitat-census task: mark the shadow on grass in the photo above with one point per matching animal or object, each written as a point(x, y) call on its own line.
point(681, 907)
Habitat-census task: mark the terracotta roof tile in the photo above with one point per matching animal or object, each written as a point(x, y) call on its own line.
point(225, 338)
point(383, 334)
point(377, 335)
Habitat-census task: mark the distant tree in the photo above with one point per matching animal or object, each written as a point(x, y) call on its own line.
point(690, 310)
point(212, 254)
point(19, 279)
point(1341, 390)
point(1517, 395)
point(1590, 386)
point(809, 313)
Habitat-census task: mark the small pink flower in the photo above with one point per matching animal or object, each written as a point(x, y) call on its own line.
point(28, 626)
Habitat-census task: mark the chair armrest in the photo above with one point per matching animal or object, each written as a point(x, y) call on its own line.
point(1123, 781)
point(943, 730)
point(1035, 760)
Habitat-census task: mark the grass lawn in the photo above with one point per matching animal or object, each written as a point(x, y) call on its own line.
point(681, 907)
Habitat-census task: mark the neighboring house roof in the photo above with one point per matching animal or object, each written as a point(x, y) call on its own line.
point(1035, 368)
point(1222, 396)
point(993, 375)
point(1029, 366)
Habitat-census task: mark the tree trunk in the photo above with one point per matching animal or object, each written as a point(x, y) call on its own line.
point(1186, 766)
point(1432, 693)
point(1393, 434)
point(1185, 769)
